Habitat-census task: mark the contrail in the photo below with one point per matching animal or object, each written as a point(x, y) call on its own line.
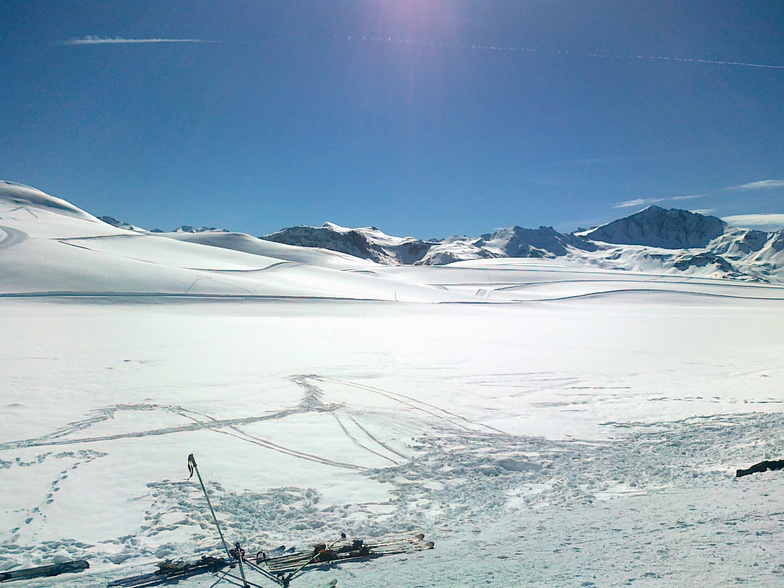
point(513, 49)
point(95, 40)
point(687, 60)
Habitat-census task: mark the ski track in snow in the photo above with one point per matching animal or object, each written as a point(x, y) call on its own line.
point(10, 237)
point(460, 475)
point(199, 421)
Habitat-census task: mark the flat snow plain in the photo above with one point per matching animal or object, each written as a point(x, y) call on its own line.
point(545, 424)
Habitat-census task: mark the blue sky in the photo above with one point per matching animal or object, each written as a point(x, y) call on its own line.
point(421, 117)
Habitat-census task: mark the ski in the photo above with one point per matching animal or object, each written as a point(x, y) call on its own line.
point(413, 539)
point(413, 549)
point(66, 567)
point(279, 568)
point(172, 571)
point(356, 545)
point(360, 552)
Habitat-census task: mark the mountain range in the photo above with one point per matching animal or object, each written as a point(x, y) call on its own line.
point(654, 239)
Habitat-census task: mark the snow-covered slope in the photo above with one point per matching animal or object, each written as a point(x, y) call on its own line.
point(21, 198)
point(557, 423)
point(78, 254)
point(248, 244)
point(541, 242)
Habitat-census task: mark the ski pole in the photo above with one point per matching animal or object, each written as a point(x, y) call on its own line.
point(192, 467)
point(240, 557)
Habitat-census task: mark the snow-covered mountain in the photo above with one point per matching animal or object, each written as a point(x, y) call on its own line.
point(192, 229)
point(679, 240)
point(368, 243)
point(657, 227)
point(654, 239)
point(514, 242)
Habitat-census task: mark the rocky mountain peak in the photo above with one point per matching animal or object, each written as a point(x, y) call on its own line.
point(659, 227)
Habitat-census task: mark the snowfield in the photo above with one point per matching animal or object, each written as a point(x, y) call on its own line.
point(545, 422)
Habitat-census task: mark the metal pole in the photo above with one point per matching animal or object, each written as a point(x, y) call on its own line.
point(192, 467)
point(240, 556)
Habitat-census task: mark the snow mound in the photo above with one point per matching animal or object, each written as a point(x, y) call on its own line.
point(20, 195)
point(255, 246)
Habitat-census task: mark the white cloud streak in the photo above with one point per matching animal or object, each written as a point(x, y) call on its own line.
point(687, 197)
point(750, 186)
point(761, 185)
point(756, 221)
point(637, 202)
point(95, 40)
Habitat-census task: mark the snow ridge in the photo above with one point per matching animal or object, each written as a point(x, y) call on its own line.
point(24, 196)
